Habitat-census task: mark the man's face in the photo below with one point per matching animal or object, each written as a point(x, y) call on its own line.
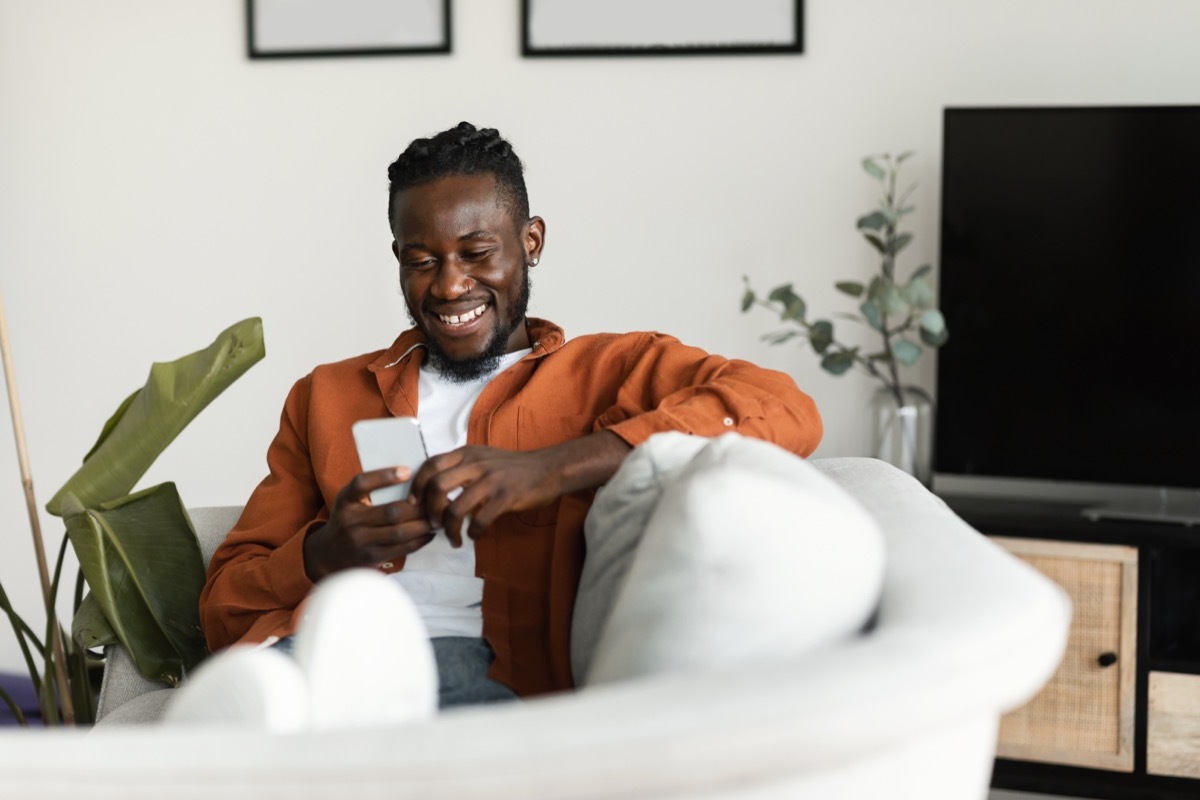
point(463, 270)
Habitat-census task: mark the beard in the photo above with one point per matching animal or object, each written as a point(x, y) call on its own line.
point(474, 367)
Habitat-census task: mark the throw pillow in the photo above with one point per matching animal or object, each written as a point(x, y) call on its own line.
point(613, 529)
point(749, 554)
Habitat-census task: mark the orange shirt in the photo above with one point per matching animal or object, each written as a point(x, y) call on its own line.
point(634, 385)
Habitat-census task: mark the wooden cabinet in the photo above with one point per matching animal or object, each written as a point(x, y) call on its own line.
point(1084, 715)
point(1173, 741)
point(1120, 719)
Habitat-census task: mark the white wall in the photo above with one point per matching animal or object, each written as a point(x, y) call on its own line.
point(156, 186)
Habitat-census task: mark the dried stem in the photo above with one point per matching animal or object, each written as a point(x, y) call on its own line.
point(14, 404)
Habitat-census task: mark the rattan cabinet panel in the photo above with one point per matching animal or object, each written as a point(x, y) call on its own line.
point(1084, 716)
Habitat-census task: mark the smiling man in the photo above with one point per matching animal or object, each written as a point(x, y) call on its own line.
point(521, 426)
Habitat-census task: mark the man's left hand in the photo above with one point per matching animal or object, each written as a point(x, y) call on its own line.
point(496, 482)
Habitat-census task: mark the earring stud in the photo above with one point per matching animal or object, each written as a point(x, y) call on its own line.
point(533, 262)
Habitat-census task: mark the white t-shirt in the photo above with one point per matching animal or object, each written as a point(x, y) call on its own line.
point(440, 579)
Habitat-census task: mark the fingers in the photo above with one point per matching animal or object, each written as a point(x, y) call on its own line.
point(360, 487)
point(466, 511)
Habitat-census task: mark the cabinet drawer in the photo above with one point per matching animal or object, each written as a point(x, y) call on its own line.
point(1173, 738)
point(1084, 716)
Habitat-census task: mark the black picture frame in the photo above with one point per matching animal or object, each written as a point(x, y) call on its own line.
point(788, 39)
point(271, 34)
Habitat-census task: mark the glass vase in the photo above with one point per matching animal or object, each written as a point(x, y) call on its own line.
point(902, 432)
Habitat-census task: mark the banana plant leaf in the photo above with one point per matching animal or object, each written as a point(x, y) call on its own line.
point(150, 419)
point(89, 627)
point(143, 564)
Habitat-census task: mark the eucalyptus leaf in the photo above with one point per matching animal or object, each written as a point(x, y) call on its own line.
point(922, 271)
point(873, 221)
point(906, 352)
point(793, 304)
point(747, 300)
point(932, 322)
point(870, 310)
point(143, 563)
point(876, 242)
point(852, 288)
point(782, 294)
point(905, 156)
point(900, 242)
point(839, 362)
point(152, 417)
point(891, 299)
point(935, 339)
point(873, 169)
point(919, 292)
point(779, 337)
point(820, 335)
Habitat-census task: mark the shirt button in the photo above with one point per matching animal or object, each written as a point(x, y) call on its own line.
point(386, 565)
point(728, 421)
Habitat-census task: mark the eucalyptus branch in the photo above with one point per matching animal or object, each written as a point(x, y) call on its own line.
point(884, 299)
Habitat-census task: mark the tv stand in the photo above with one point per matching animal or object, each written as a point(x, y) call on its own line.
point(1171, 506)
point(1120, 720)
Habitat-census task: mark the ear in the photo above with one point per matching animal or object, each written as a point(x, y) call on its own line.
point(396, 250)
point(534, 237)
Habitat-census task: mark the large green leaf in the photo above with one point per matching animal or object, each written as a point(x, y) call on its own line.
point(153, 416)
point(89, 627)
point(143, 563)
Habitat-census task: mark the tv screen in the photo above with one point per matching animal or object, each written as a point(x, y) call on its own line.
point(1070, 282)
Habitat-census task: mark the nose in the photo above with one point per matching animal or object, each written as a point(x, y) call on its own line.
point(452, 281)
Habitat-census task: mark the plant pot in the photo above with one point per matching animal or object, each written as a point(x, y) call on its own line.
point(902, 434)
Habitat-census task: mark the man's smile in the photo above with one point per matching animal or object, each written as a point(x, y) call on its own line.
point(465, 317)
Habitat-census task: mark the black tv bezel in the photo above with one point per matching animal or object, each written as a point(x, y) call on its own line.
point(1138, 497)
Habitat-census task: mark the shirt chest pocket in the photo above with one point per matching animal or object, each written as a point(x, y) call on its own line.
point(538, 428)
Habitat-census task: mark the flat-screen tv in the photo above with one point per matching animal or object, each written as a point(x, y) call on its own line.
point(1070, 281)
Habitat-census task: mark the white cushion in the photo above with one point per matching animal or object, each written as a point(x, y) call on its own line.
point(750, 554)
point(613, 529)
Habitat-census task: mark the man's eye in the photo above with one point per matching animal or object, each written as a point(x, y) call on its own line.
point(477, 255)
point(421, 264)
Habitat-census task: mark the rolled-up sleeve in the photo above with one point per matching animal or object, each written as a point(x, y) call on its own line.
point(669, 386)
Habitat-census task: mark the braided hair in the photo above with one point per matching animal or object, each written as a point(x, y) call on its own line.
point(461, 150)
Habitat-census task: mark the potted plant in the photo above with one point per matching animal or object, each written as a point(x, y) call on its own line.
point(138, 552)
point(902, 314)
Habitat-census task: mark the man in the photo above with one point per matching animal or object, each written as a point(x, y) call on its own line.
point(521, 427)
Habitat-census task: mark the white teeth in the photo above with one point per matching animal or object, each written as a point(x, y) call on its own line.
point(461, 318)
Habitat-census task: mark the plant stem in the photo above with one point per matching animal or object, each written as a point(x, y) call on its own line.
point(889, 275)
point(14, 405)
point(14, 708)
point(862, 361)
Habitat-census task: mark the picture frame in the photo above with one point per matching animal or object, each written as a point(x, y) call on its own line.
point(316, 28)
point(553, 28)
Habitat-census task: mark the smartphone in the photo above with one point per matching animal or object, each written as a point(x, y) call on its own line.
point(389, 442)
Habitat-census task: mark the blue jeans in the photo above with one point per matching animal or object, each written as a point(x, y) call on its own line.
point(462, 663)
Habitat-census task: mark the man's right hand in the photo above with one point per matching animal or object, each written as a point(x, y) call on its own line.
point(359, 534)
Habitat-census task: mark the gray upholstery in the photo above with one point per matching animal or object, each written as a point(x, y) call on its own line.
point(908, 711)
point(122, 683)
